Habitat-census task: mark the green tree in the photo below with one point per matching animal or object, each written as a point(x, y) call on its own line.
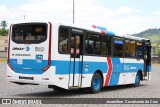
point(4, 24)
point(4, 32)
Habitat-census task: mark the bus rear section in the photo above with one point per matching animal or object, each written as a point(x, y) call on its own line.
point(29, 53)
point(78, 58)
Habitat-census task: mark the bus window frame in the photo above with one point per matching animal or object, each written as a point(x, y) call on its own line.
point(96, 33)
point(61, 26)
point(111, 38)
point(148, 44)
point(133, 57)
point(113, 47)
point(70, 32)
point(142, 50)
point(30, 41)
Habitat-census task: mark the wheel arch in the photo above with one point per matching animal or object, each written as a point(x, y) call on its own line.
point(101, 74)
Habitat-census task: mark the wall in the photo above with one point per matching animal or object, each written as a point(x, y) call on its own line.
point(3, 43)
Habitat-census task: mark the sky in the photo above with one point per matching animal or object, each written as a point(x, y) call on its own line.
point(120, 16)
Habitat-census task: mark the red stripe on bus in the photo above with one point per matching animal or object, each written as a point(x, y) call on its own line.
point(109, 71)
point(49, 50)
point(94, 26)
point(9, 39)
point(103, 32)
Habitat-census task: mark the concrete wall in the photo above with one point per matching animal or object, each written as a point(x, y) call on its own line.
point(3, 43)
point(3, 54)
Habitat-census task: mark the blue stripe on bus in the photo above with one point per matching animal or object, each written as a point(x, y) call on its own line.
point(114, 79)
point(66, 67)
point(110, 33)
point(62, 67)
point(101, 28)
point(28, 66)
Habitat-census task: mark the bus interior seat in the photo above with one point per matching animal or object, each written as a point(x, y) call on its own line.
point(18, 37)
point(30, 37)
point(89, 49)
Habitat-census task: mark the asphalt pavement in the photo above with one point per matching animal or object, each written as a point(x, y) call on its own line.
point(147, 89)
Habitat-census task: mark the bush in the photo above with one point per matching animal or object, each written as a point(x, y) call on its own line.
point(4, 32)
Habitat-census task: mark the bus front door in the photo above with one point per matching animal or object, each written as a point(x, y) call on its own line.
point(76, 60)
point(147, 60)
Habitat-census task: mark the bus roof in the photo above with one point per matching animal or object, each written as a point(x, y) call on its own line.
point(135, 37)
point(97, 29)
point(90, 28)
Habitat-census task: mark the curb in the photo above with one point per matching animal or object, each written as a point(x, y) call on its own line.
point(3, 60)
point(155, 64)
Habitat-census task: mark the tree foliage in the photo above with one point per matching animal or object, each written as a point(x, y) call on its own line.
point(3, 24)
point(4, 31)
point(149, 32)
point(152, 34)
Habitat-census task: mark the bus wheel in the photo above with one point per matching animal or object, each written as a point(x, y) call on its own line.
point(96, 83)
point(137, 80)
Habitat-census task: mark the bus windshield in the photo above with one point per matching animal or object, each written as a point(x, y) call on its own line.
point(29, 33)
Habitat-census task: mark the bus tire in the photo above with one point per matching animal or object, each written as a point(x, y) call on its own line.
point(137, 80)
point(96, 83)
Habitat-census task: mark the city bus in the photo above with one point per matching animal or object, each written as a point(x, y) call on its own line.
point(69, 56)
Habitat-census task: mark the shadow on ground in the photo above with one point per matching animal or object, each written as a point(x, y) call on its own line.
point(67, 93)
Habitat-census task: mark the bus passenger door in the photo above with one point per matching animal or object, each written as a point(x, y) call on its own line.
point(76, 60)
point(147, 60)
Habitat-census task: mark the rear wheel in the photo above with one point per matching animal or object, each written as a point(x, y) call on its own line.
point(137, 80)
point(96, 83)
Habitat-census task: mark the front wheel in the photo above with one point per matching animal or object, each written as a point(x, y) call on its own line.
point(96, 83)
point(137, 80)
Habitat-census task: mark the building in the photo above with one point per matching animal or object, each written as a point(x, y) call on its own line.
point(3, 43)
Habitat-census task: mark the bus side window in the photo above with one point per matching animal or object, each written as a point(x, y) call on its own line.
point(106, 45)
point(130, 48)
point(127, 48)
point(63, 40)
point(139, 50)
point(118, 48)
point(93, 44)
point(133, 49)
